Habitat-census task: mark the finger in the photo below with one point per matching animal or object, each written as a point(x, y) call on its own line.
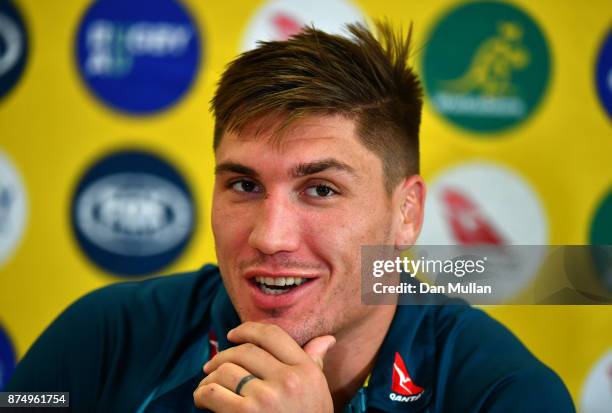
point(271, 338)
point(229, 375)
point(217, 398)
point(318, 347)
point(248, 356)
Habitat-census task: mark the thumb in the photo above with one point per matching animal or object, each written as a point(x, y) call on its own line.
point(317, 348)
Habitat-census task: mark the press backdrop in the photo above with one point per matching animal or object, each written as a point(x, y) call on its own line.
point(106, 167)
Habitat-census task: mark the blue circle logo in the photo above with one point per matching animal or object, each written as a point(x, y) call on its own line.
point(13, 46)
point(7, 359)
point(604, 74)
point(133, 213)
point(138, 58)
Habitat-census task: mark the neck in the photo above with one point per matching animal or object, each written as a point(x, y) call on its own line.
point(351, 359)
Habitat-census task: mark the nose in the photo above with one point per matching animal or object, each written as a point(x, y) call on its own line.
point(276, 227)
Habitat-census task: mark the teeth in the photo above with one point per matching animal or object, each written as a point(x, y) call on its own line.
point(280, 281)
point(270, 290)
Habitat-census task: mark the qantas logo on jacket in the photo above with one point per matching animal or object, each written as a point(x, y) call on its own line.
point(403, 389)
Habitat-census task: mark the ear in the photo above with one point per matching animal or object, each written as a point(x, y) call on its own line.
point(410, 196)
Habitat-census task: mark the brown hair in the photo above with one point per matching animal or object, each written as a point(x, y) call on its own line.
point(314, 72)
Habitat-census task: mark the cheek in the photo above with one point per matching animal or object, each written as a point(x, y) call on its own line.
point(228, 227)
point(338, 235)
point(348, 228)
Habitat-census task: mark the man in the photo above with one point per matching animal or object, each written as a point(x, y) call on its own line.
point(316, 144)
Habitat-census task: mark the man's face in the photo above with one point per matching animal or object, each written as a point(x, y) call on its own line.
point(299, 208)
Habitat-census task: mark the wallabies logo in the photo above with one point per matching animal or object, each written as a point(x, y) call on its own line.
point(486, 66)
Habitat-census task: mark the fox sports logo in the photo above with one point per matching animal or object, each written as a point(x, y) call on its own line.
point(134, 214)
point(130, 221)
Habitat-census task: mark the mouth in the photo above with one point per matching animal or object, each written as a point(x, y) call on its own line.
point(273, 290)
point(278, 285)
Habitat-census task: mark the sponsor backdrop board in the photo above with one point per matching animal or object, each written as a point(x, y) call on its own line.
point(106, 165)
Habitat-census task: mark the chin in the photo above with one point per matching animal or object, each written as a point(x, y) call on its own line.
point(299, 331)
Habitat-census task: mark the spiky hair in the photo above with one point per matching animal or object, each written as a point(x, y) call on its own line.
point(358, 76)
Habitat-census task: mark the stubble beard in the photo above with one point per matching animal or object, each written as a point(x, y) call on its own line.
point(302, 329)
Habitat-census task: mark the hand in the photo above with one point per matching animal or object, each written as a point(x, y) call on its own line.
point(288, 378)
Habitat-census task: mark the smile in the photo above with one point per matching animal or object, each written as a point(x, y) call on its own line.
point(279, 285)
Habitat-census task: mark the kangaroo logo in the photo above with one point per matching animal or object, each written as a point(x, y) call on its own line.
point(491, 69)
point(486, 66)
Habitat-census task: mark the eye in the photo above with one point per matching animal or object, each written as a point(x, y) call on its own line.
point(321, 191)
point(245, 185)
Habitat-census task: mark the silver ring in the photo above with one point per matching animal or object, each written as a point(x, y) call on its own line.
point(244, 381)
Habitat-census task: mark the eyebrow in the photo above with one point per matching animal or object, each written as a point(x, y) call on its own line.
point(236, 168)
point(311, 168)
point(300, 170)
